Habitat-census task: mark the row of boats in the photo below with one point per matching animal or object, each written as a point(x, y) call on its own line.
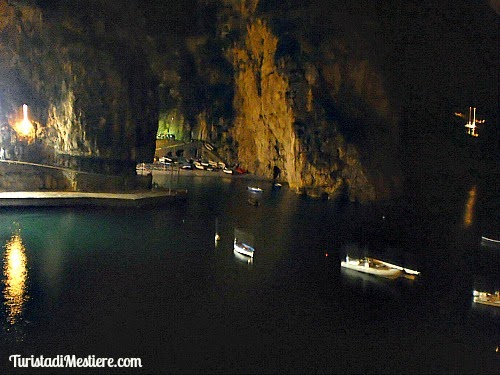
point(390, 271)
point(377, 267)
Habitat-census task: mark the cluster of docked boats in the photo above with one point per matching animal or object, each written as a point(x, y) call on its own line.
point(378, 268)
point(211, 166)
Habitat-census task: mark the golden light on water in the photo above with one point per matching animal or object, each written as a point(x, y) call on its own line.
point(469, 206)
point(15, 272)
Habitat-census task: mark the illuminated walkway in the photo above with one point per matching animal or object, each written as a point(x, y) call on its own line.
point(70, 198)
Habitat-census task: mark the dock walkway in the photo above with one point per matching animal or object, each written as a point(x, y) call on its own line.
point(70, 198)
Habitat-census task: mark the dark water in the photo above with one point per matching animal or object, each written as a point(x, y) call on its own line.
point(151, 283)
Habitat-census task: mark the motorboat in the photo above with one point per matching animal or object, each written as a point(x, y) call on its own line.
point(243, 248)
point(255, 189)
point(217, 236)
point(485, 298)
point(408, 273)
point(490, 242)
point(372, 266)
point(227, 170)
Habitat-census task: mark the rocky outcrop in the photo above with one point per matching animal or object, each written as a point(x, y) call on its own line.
point(308, 119)
point(275, 89)
point(85, 75)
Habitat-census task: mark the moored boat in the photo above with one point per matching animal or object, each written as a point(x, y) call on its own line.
point(255, 189)
point(243, 243)
point(243, 248)
point(372, 267)
point(490, 242)
point(485, 298)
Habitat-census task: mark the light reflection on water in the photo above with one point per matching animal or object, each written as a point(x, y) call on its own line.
point(470, 206)
point(15, 271)
point(110, 283)
point(242, 259)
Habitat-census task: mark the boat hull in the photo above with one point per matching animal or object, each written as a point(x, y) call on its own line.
point(244, 249)
point(490, 242)
point(373, 268)
point(487, 302)
point(488, 299)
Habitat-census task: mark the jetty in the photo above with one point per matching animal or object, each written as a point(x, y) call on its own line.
point(105, 199)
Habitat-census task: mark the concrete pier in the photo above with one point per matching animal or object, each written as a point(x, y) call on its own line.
point(72, 199)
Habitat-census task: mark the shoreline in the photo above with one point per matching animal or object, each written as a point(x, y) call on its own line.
point(203, 173)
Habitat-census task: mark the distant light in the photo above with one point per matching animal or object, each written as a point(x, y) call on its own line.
point(25, 128)
point(326, 254)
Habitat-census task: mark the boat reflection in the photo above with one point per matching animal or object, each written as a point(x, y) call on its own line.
point(242, 259)
point(15, 273)
point(369, 283)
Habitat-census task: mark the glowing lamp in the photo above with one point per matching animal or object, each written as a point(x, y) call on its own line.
point(24, 127)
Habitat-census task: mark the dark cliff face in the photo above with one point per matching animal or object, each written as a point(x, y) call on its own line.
point(329, 95)
point(84, 71)
point(338, 95)
point(306, 103)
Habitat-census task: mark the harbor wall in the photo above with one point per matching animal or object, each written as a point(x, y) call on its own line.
point(18, 176)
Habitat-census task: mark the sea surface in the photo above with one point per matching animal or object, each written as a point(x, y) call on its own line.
point(153, 284)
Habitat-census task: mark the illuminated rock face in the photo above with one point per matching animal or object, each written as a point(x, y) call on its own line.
point(281, 121)
point(274, 101)
point(87, 82)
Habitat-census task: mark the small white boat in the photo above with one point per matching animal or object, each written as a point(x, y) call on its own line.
point(485, 298)
point(255, 189)
point(372, 267)
point(217, 236)
point(243, 248)
point(227, 170)
point(490, 242)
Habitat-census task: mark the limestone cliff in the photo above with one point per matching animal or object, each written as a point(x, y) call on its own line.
point(318, 116)
point(274, 86)
point(82, 71)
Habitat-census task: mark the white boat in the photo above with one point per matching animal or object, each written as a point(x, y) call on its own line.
point(243, 248)
point(217, 236)
point(485, 298)
point(255, 189)
point(490, 242)
point(198, 165)
point(408, 273)
point(372, 267)
point(227, 170)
